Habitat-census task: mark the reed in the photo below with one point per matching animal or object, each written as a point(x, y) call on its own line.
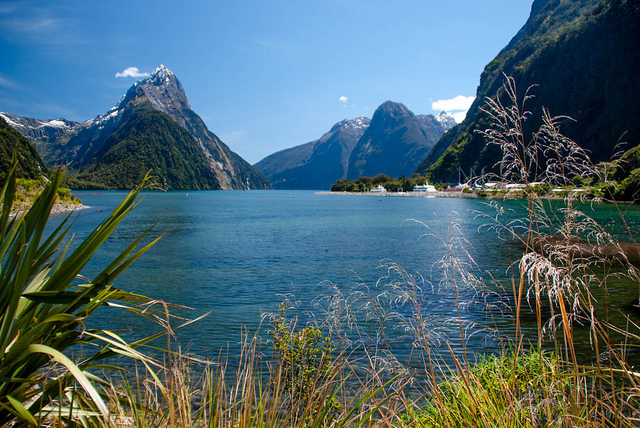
point(563, 257)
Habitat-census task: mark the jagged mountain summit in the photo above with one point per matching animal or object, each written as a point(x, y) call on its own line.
point(151, 128)
point(391, 143)
point(583, 59)
point(318, 164)
point(446, 120)
point(394, 143)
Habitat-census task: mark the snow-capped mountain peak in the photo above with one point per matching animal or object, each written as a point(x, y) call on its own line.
point(361, 122)
point(358, 124)
point(162, 71)
point(161, 75)
point(446, 120)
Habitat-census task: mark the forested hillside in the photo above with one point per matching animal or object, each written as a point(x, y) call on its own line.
point(583, 59)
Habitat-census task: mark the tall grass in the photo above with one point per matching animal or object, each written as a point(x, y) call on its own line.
point(564, 255)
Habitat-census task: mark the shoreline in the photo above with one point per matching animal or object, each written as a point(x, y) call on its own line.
point(437, 194)
point(58, 208)
point(449, 194)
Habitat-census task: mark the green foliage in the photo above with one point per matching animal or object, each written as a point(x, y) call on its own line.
point(582, 57)
point(626, 173)
point(304, 360)
point(30, 164)
point(499, 390)
point(71, 181)
point(629, 188)
point(363, 184)
point(629, 161)
point(150, 141)
point(45, 303)
point(578, 181)
point(27, 190)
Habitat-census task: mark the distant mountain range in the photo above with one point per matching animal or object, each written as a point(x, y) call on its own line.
point(583, 56)
point(151, 128)
point(393, 142)
point(318, 164)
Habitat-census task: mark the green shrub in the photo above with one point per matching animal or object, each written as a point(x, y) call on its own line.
point(303, 362)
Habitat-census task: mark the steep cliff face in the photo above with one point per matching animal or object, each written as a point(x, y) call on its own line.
point(81, 146)
point(318, 164)
point(394, 143)
point(583, 57)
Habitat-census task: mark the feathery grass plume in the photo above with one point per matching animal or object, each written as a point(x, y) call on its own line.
point(565, 254)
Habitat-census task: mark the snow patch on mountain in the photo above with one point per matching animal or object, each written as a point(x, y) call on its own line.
point(12, 123)
point(101, 119)
point(56, 123)
point(447, 120)
point(361, 122)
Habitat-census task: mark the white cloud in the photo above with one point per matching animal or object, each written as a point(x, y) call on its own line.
point(453, 104)
point(343, 99)
point(131, 72)
point(457, 106)
point(459, 116)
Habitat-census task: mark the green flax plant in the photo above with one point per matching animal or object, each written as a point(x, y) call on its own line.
point(45, 303)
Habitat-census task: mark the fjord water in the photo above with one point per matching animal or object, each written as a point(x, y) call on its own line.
point(239, 254)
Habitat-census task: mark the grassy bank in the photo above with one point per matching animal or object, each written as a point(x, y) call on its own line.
point(27, 190)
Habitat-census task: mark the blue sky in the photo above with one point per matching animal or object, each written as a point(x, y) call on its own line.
point(264, 75)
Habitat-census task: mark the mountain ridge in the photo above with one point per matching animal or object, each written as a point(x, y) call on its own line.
point(320, 163)
point(315, 165)
point(394, 143)
point(78, 144)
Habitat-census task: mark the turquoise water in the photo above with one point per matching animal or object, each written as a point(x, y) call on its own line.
point(239, 254)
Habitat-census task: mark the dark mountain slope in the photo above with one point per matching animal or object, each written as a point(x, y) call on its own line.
point(150, 140)
point(318, 164)
point(394, 143)
point(584, 56)
point(80, 145)
point(30, 164)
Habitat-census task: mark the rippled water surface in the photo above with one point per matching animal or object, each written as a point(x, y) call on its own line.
point(239, 254)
